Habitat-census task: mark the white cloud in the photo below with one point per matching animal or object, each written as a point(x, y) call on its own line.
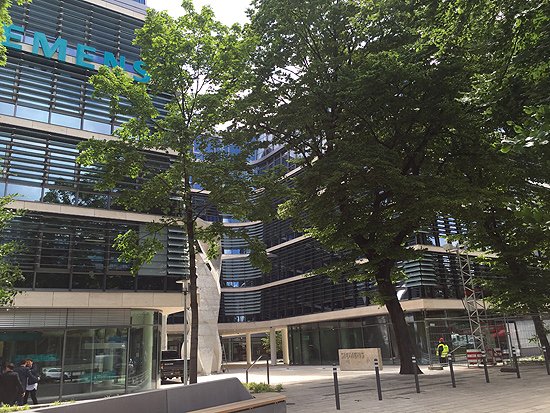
point(226, 11)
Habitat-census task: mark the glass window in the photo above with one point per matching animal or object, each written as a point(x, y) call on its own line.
point(120, 282)
point(52, 281)
point(45, 349)
point(143, 354)
point(95, 362)
point(32, 114)
point(7, 108)
point(88, 281)
point(150, 283)
point(59, 196)
point(94, 126)
point(65, 120)
point(26, 193)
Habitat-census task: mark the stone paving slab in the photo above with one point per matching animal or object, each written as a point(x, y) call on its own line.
point(311, 389)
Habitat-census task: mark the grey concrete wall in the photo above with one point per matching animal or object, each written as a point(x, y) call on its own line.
point(170, 399)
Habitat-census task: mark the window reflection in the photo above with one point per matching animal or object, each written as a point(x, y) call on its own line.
point(44, 348)
point(30, 159)
point(59, 196)
point(96, 361)
point(52, 281)
point(26, 193)
point(100, 361)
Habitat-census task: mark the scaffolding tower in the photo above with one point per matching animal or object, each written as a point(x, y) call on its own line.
point(473, 302)
point(475, 306)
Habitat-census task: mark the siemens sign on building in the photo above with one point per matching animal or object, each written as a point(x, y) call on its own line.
point(84, 54)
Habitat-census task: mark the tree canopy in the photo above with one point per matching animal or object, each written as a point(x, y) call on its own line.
point(513, 220)
point(393, 109)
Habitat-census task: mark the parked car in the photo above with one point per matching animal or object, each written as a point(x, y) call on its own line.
point(53, 373)
point(171, 365)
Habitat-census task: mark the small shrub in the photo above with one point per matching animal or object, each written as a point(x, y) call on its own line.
point(8, 408)
point(531, 359)
point(60, 402)
point(262, 387)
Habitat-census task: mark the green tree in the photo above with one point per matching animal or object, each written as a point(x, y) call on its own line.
point(532, 139)
point(511, 219)
point(266, 341)
point(6, 20)
point(514, 251)
point(369, 96)
point(10, 272)
point(194, 63)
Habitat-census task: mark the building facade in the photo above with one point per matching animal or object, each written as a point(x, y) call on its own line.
point(81, 315)
point(317, 317)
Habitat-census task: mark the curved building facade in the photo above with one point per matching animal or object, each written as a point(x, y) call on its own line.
point(315, 316)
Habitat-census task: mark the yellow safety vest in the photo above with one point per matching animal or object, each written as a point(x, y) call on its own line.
point(444, 351)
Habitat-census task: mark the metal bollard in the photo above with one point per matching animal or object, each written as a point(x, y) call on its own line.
point(415, 367)
point(378, 385)
point(336, 392)
point(267, 371)
point(484, 361)
point(544, 351)
point(515, 358)
point(450, 361)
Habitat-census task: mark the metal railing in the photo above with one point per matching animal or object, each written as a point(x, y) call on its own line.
point(252, 365)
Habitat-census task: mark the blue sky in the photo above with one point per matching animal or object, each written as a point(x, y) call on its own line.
point(227, 11)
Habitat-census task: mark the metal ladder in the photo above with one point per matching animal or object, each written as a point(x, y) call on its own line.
point(225, 367)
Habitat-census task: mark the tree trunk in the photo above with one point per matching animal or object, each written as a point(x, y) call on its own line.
point(193, 355)
point(388, 292)
point(541, 331)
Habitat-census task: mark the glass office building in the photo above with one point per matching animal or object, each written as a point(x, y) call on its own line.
point(90, 326)
point(316, 316)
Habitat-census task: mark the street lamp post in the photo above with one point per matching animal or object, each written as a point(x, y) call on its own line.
point(184, 290)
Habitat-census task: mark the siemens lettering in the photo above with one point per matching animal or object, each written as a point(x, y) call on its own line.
point(84, 54)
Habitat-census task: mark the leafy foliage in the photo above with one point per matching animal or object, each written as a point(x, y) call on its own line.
point(10, 272)
point(266, 341)
point(511, 220)
point(262, 387)
point(6, 20)
point(532, 139)
point(369, 96)
point(14, 408)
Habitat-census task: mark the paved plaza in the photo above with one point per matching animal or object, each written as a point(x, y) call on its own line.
point(311, 389)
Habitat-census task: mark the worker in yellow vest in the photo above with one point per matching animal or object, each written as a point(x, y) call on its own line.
point(442, 351)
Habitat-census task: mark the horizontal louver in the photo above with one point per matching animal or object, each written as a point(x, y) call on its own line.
point(60, 318)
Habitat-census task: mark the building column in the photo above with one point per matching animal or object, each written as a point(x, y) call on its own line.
point(164, 333)
point(273, 345)
point(248, 349)
point(286, 353)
